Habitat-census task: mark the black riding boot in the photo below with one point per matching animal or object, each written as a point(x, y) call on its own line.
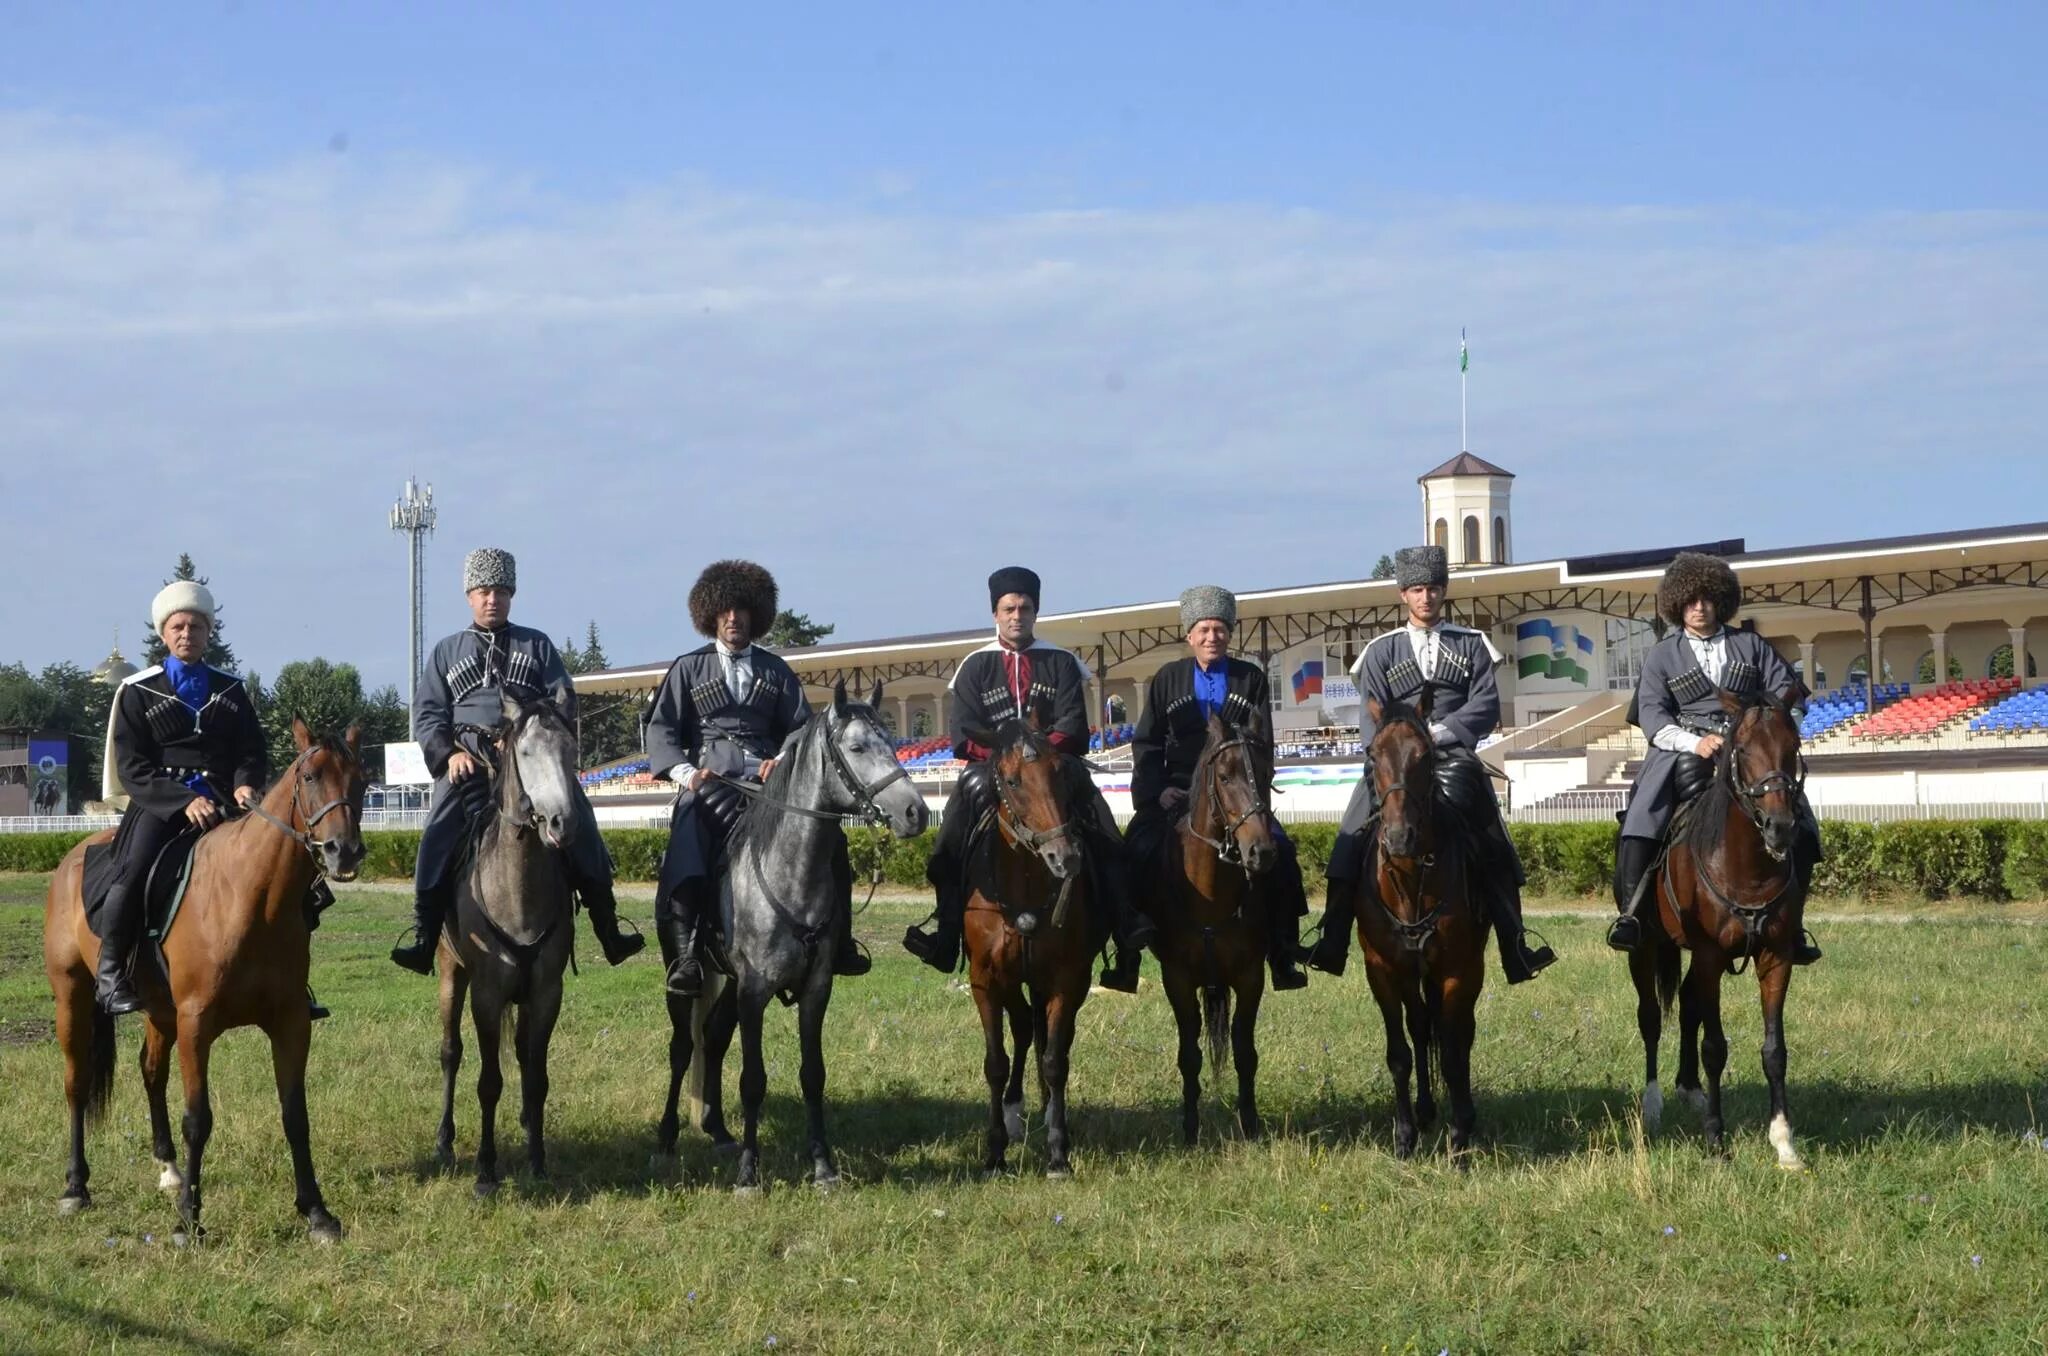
point(678, 926)
point(1281, 943)
point(318, 897)
point(1519, 961)
point(603, 908)
point(1333, 946)
point(1805, 856)
point(847, 956)
point(120, 929)
point(1132, 929)
point(940, 948)
point(429, 915)
point(1632, 859)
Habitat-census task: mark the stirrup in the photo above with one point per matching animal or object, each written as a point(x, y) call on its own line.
point(1806, 950)
point(315, 1009)
point(419, 956)
point(621, 946)
point(852, 959)
point(685, 976)
point(1122, 975)
point(1625, 933)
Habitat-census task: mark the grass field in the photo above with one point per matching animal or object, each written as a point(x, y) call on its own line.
point(1919, 1074)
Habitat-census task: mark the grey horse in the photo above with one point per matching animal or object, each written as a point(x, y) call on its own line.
point(508, 936)
point(776, 897)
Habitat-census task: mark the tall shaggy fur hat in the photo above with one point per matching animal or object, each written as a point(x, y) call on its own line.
point(727, 584)
point(1693, 575)
point(180, 595)
point(1012, 579)
point(487, 567)
point(1421, 565)
point(1207, 602)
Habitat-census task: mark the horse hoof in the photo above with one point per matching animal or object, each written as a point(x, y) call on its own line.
point(323, 1228)
point(826, 1185)
point(725, 1146)
point(661, 1165)
point(170, 1179)
point(995, 1172)
point(444, 1160)
point(1059, 1174)
point(486, 1190)
point(751, 1192)
point(70, 1204)
point(1696, 1098)
point(1014, 1127)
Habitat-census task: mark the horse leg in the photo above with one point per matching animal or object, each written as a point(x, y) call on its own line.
point(1454, 1032)
point(487, 1013)
point(1400, 1061)
point(1642, 969)
point(157, 1043)
point(195, 1050)
point(1423, 1034)
point(719, 1026)
point(1020, 1060)
point(1774, 973)
point(753, 1091)
point(81, 1026)
point(1187, 1016)
point(1244, 1049)
point(995, 1067)
point(537, 1017)
point(1689, 1035)
point(454, 985)
point(1052, 1067)
point(810, 1029)
point(291, 1032)
point(1713, 1045)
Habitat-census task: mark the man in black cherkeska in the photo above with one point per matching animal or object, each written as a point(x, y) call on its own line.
point(1002, 681)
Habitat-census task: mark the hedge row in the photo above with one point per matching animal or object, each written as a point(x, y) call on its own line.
point(1921, 859)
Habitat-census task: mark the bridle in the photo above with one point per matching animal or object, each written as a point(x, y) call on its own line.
point(1416, 934)
point(1750, 797)
point(304, 838)
point(1752, 916)
point(1225, 843)
point(1011, 820)
point(865, 794)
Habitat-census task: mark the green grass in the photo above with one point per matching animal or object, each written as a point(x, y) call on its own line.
point(1919, 1058)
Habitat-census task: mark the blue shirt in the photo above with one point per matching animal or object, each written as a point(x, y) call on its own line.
point(1211, 687)
point(193, 687)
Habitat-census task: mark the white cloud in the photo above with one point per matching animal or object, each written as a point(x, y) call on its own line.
point(882, 404)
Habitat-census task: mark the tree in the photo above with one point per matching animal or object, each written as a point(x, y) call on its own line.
point(1384, 569)
point(794, 630)
point(594, 658)
point(218, 653)
point(62, 699)
point(327, 696)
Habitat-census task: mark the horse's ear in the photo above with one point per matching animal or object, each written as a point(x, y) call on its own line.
point(1730, 702)
point(1425, 701)
point(1217, 729)
point(301, 736)
point(508, 707)
point(976, 734)
point(875, 698)
point(839, 698)
point(1039, 716)
point(353, 737)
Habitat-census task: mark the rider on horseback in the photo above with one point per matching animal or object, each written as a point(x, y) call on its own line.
point(721, 716)
point(1678, 707)
point(458, 704)
point(177, 735)
point(1001, 681)
point(1456, 664)
point(1172, 732)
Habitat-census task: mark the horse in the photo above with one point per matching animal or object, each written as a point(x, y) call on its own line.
point(1029, 935)
point(777, 894)
point(509, 934)
point(1728, 892)
point(237, 956)
point(1423, 937)
point(1212, 931)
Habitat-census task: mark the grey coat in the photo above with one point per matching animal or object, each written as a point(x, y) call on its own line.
point(465, 675)
point(1673, 691)
point(1464, 695)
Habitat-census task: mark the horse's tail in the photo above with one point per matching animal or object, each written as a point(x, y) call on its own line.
point(99, 1060)
point(1216, 1020)
point(1667, 971)
point(700, 1015)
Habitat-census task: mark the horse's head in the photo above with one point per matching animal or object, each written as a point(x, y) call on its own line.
point(870, 779)
point(537, 770)
point(1033, 796)
point(1760, 760)
point(1226, 796)
point(1399, 761)
point(327, 798)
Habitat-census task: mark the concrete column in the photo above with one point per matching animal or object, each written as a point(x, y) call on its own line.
point(903, 717)
point(1940, 639)
point(1806, 673)
point(2019, 652)
point(941, 706)
point(1876, 674)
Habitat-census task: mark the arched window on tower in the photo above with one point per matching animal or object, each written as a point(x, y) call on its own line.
point(1500, 540)
point(1443, 534)
point(1472, 556)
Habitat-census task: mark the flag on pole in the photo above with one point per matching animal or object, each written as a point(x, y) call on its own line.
point(1464, 357)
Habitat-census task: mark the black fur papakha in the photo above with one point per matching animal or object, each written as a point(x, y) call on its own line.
point(1691, 576)
point(727, 584)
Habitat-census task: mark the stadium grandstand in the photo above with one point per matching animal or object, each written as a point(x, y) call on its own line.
point(1955, 720)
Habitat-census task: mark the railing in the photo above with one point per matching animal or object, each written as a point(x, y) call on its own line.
point(1591, 806)
point(1610, 717)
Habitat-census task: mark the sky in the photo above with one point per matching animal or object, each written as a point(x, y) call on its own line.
point(886, 296)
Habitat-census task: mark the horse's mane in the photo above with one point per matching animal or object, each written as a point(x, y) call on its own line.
point(1709, 826)
point(775, 791)
point(1014, 733)
point(1398, 712)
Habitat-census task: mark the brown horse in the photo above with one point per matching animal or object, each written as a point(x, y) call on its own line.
point(1028, 936)
point(1212, 928)
point(237, 956)
point(1425, 943)
point(1728, 892)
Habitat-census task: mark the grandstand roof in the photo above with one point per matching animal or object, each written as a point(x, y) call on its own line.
point(1464, 464)
point(1809, 584)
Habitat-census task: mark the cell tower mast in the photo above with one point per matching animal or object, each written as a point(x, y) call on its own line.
point(413, 515)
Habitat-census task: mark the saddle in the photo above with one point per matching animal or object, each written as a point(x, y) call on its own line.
point(163, 888)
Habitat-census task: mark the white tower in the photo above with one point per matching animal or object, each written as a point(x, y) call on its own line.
point(1465, 510)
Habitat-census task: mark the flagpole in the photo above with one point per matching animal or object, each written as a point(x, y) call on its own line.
point(1464, 443)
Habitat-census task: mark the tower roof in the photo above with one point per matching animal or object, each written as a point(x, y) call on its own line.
point(1465, 464)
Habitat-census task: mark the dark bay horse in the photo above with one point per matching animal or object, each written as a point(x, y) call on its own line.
point(1029, 935)
point(1728, 892)
point(778, 893)
point(1211, 919)
point(509, 933)
point(237, 956)
point(1424, 939)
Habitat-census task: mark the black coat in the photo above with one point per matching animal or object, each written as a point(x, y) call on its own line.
point(156, 741)
point(982, 699)
point(1172, 730)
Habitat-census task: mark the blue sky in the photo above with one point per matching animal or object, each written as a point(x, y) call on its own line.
point(842, 286)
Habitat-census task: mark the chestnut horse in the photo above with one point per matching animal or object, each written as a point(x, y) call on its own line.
point(1212, 929)
point(1029, 934)
point(237, 956)
point(1728, 891)
point(1424, 939)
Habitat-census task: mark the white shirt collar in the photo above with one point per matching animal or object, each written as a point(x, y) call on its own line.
point(741, 653)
